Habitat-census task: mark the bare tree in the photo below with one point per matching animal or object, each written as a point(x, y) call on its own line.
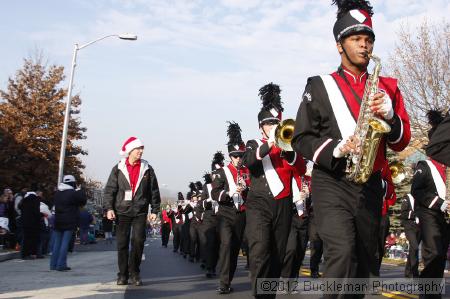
point(421, 63)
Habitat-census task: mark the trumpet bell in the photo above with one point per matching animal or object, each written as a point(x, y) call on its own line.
point(284, 134)
point(398, 172)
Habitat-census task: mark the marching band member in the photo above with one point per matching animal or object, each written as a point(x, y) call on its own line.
point(348, 214)
point(298, 235)
point(410, 223)
point(429, 190)
point(389, 199)
point(177, 221)
point(439, 146)
point(229, 189)
point(195, 224)
point(269, 201)
point(166, 225)
point(208, 236)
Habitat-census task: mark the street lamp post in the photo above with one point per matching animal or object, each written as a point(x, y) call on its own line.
point(69, 96)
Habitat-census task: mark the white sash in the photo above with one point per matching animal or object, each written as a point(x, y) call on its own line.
point(343, 115)
point(209, 188)
point(237, 199)
point(437, 178)
point(274, 181)
point(296, 197)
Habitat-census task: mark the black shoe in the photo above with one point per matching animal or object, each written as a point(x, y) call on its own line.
point(64, 269)
point(174, 251)
point(315, 274)
point(191, 259)
point(224, 290)
point(136, 280)
point(121, 281)
point(202, 266)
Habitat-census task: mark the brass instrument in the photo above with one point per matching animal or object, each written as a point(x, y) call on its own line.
point(398, 172)
point(284, 134)
point(369, 131)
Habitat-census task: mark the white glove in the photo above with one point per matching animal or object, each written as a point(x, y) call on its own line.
point(337, 153)
point(386, 110)
point(272, 135)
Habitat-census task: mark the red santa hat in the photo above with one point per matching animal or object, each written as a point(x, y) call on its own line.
point(130, 144)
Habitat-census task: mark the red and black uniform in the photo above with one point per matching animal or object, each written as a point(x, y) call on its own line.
point(410, 223)
point(269, 207)
point(428, 189)
point(177, 222)
point(209, 236)
point(298, 235)
point(166, 226)
point(230, 217)
point(389, 199)
point(348, 214)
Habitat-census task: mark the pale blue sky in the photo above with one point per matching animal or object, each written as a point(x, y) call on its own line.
point(195, 65)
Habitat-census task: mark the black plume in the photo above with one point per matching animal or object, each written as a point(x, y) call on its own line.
point(270, 97)
point(192, 187)
point(218, 159)
point(435, 117)
point(180, 196)
point(234, 134)
point(199, 186)
point(345, 6)
point(207, 178)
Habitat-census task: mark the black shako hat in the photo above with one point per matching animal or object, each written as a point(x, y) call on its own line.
point(435, 117)
point(207, 177)
point(217, 161)
point(235, 143)
point(353, 16)
point(271, 104)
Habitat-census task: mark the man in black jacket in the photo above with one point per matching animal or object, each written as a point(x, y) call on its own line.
point(410, 223)
point(132, 186)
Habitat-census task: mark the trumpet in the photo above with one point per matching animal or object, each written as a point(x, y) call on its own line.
point(284, 134)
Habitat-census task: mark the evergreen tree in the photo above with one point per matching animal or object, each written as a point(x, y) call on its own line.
point(31, 122)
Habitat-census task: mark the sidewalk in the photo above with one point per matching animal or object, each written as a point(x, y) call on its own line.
point(93, 275)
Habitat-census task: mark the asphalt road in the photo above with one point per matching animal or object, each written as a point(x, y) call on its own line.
point(165, 275)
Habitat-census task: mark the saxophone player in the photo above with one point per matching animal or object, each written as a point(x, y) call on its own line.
point(348, 213)
point(229, 188)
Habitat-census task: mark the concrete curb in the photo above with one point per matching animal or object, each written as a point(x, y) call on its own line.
point(5, 256)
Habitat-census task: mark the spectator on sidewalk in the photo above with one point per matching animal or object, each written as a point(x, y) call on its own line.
point(18, 197)
point(31, 223)
point(86, 220)
point(67, 203)
point(11, 215)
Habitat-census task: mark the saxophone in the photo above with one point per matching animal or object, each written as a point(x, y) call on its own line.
point(369, 131)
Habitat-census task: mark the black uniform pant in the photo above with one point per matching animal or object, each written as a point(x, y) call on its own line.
point(296, 247)
point(194, 236)
point(384, 232)
point(176, 230)
point(209, 240)
point(268, 225)
point(165, 233)
point(348, 220)
point(412, 232)
point(30, 241)
point(315, 244)
point(231, 226)
point(185, 238)
point(435, 241)
point(130, 259)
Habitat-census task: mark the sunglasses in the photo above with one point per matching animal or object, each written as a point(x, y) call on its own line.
point(237, 156)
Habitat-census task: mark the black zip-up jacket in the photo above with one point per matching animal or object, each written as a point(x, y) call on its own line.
point(146, 193)
point(423, 189)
